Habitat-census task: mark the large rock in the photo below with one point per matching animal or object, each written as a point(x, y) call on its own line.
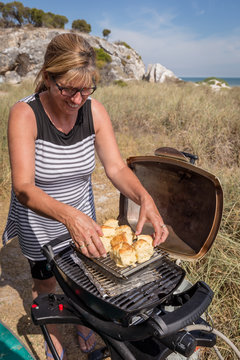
point(159, 73)
point(22, 52)
point(12, 77)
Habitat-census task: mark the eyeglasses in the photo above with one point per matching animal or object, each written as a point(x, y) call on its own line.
point(70, 92)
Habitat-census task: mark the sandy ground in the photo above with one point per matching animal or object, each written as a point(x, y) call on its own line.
point(15, 286)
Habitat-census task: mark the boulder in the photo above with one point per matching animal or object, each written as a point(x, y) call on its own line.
point(159, 73)
point(12, 77)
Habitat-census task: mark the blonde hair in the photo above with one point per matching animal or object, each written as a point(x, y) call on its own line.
point(69, 57)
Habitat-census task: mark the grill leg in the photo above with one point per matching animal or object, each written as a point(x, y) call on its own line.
point(48, 339)
point(118, 349)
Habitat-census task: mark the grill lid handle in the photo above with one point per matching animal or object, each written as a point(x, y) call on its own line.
point(173, 153)
point(47, 249)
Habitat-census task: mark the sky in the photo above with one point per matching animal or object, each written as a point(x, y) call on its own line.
point(193, 38)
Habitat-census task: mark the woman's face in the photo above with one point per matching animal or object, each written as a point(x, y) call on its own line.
point(69, 97)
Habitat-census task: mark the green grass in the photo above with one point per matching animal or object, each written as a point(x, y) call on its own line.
point(189, 118)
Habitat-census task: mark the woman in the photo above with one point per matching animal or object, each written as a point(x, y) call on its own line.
point(52, 136)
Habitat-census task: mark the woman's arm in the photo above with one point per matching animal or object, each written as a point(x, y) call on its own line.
point(121, 176)
point(22, 132)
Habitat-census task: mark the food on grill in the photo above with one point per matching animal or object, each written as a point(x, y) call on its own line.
point(123, 237)
point(111, 222)
point(108, 231)
point(143, 250)
point(147, 238)
point(108, 234)
point(120, 243)
point(106, 243)
point(125, 229)
point(123, 254)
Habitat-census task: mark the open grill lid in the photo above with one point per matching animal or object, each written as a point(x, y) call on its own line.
point(189, 199)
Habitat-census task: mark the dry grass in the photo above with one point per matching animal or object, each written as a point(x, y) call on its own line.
point(190, 118)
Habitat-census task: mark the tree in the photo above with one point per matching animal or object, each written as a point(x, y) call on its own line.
point(36, 17)
point(81, 25)
point(14, 12)
point(60, 21)
point(106, 33)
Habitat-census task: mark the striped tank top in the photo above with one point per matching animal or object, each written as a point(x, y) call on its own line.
point(63, 167)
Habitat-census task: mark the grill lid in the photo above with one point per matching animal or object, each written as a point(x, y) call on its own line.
point(189, 199)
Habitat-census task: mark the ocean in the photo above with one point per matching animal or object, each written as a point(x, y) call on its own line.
point(230, 81)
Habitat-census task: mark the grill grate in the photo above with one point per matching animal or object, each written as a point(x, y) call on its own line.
point(144, 297)
point(109, 285)
point(108, 265)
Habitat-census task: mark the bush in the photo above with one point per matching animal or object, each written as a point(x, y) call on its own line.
point(123, 43)
point(81, 25)
point(212, 81)
point(102, 58)
point(120, 83)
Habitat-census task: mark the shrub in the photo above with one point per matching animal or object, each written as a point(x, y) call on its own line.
point(102, 58)
point(120, 83)
point(81, 25)
point(123, 43)
point(212, 80)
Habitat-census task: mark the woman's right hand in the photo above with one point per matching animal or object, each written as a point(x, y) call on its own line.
point(85, 233)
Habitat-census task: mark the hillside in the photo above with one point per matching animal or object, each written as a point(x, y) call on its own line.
point(22, 51)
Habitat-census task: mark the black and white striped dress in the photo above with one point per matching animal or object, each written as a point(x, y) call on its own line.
point(63, 167)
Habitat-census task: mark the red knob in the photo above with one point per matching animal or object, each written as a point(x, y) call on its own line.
point(60, 306)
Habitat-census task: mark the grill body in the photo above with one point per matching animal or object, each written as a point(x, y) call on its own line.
point(122, 307)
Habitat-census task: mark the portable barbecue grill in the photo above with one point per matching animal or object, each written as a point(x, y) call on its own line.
point(136, 324)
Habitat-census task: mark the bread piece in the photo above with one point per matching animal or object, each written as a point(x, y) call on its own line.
point(124, 228)
point(111, 222)
point(123, 254)
point(108, 234)
point(108, 231)
point(106, 243)
point(128, 232)
point(143, 250)
point(147, 238)
point(120, 238)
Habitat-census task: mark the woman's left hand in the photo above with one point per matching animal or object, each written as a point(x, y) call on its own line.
point(149, 213)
